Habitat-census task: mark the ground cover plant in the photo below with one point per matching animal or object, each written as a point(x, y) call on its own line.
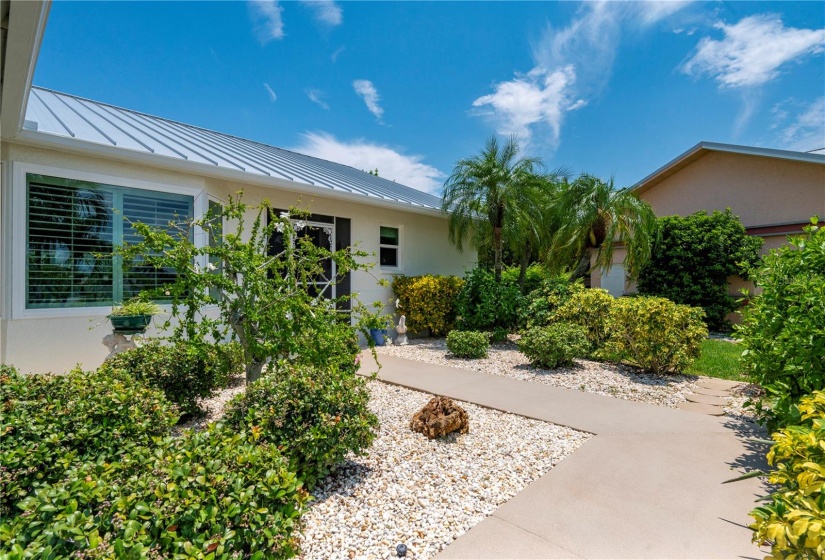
point(719, 358)
point(50, 423)
point(655, 334)
point(428, 301)
point(468, 344)
point(555, 345)
point(783, 329)
point(692, 258)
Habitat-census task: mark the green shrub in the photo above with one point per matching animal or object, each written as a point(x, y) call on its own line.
point(468, 344)
point(207, 494)
point(655, 333)
point(783, 330)
point(185, 373)
point(314, 415)
point(484, 304)
point(428, 302)
point(540, 304)
point(555, 345)
point(51, 422)
point(334, 345)
point(535, 275)
point(589, 308)
point(692, 259)
point(793, 519)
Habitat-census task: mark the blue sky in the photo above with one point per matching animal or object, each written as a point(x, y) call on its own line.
point(610, 88)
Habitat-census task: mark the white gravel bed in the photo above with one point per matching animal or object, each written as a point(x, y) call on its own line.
point(614, 380)
point(426, 493)
point(213, 407)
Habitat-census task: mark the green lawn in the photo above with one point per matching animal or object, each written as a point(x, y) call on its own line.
point(719, 359)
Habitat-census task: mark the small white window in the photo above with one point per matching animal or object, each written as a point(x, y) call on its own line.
point(388, 247)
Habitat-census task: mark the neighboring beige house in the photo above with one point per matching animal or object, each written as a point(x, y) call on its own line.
point(774, 192)
point(71, 167)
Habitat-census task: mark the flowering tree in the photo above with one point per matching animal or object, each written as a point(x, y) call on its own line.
point(274, 302)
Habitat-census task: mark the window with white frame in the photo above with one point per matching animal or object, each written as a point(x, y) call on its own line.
point(72, 227)
point(389, 246)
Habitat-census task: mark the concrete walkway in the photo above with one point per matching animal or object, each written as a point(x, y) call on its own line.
point(648, 485)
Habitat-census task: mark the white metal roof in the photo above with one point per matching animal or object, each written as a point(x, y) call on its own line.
point(85, 121)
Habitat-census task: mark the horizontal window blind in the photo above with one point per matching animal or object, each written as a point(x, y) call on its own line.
point(72, 228)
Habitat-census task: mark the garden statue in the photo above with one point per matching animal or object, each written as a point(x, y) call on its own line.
point(117, 343)
point(401, 329)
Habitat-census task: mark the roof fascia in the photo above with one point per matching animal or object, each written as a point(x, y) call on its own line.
point(53, 141)
point(27, 22)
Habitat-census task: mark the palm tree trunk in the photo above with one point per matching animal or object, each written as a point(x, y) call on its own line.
point(497, 252)
point(583, 268)
point(525, 262)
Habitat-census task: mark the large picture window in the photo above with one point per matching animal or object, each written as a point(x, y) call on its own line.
point(72, 227)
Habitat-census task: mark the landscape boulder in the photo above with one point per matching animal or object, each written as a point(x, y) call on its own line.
point(440, 417)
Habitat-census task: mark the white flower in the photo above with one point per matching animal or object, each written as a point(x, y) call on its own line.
point(398, 303)
point(168, 293)
point(279, 227)
point(284, 215)
point(211, 266)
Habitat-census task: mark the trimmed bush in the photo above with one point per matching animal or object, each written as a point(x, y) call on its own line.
point(554, 346)
point(207, 494)
point(315, 416)
point(655, 334)
point(793, 519)
point(783, 330)
point(185, 373)
point(428, 302)
point(484, 304)
point(692, 259)
point(468, 344)
point(535, 275)
point(540, 305)
point(51, 422)
point(589, 308)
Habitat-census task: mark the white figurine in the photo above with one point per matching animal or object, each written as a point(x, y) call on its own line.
point(401, 329)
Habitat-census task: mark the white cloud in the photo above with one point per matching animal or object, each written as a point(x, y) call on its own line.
point(366, 90)
point(266, 14)
point(326, 11)
point(316, 96)
point(571, 65)
point(807, 131)
point(334, 56)
point(539, 97)
point(272, 97)
point(409, 170)
point(752, 51)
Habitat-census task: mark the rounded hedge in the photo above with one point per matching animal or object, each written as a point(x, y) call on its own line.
point(468, 344)
point(315, 416)
point(554, 346)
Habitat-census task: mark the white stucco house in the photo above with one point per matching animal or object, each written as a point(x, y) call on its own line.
point(71, 168)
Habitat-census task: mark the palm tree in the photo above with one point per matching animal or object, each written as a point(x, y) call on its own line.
point(487, 192)
point(595, 217)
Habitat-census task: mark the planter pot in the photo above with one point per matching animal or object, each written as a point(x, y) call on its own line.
point(378, 336)
point(130, 324)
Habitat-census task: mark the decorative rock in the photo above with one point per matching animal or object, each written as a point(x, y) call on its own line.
point(701, 408)
point(705, 399)
point(401, 550)
point(440, 416)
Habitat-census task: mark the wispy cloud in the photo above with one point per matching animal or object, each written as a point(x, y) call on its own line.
point(752, 51)
point(334, 56)
point(316, 96)
point(807, 130)
point(409, 170)
point(266, 16)
point(272, 97)
point(538, 97)
point(572, 64)
point(366, 90)
point(326, 11)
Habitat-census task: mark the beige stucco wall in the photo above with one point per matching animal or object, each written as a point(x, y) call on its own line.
point(761, 191)
point(58, 343)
